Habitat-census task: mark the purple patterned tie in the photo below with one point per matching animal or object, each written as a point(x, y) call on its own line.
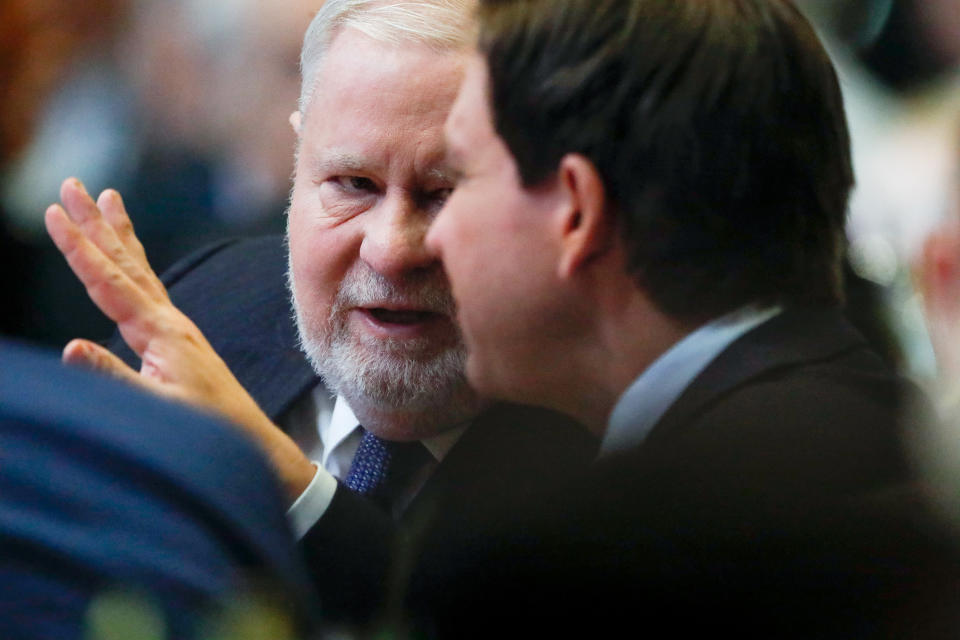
point(382, 469)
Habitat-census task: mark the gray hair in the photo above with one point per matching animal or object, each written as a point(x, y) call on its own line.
point(441, 24)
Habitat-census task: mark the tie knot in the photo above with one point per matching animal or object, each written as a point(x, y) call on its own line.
point(382, 469)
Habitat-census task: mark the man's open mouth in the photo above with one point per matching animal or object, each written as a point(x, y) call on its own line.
point(404, 316)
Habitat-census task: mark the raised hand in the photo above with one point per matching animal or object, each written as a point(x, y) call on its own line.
point(99, 243)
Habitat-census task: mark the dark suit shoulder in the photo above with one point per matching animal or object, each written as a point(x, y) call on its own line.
point(231, 263)
point(824, 426)
point(228, 288)
point(191, 261)
point(800, 406)
point(235, 292)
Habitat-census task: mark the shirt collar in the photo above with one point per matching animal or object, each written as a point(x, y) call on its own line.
point(645, 401)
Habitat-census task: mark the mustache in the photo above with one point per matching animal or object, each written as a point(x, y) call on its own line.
point(424, 291)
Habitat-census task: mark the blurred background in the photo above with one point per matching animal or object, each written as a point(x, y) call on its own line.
point(182, 105)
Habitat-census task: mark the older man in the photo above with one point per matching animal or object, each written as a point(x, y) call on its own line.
point(373, 308)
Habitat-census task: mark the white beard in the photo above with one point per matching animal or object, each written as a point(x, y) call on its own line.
point(421, 376)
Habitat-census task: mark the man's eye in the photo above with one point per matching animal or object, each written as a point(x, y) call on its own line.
point(357, 183)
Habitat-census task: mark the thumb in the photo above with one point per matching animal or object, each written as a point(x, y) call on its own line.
point(90, 355)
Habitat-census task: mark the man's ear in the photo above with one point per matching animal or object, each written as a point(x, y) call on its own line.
point(295, 120)
point(587, 227)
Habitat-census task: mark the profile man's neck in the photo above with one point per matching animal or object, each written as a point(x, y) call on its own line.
point(625, 346)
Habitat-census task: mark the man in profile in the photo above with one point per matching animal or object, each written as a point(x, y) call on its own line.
point(646, 234)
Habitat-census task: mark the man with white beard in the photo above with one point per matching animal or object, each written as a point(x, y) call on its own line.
point(373, 309)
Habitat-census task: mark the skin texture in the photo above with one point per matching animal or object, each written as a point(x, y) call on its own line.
point(498, 262)
point(549, 311)
point(370, 177)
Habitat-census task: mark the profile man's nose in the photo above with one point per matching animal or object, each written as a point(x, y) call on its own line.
point(394, 242)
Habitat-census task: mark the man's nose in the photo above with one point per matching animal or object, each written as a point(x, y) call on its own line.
point(393, 243)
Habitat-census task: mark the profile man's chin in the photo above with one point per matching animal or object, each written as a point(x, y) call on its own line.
point(477, 376)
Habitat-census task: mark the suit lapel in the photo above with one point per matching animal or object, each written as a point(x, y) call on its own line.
point(794, 337)
point(277, 381)
point(235, 293)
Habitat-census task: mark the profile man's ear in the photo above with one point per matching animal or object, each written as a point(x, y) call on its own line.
point(588, 230)
point(295, 120)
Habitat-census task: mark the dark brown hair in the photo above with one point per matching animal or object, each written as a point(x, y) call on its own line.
point(717, 126)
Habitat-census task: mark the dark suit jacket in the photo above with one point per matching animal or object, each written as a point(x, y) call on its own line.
point(103, 488)
point(773, 499)
point(235, 292)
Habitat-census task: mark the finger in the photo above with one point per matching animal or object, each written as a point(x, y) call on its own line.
point(89, 355)
point(108, 286)
point(78, 202)
point(115, 214)
point(86, 213)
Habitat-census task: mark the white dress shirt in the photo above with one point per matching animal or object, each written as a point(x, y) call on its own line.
point(645, 401)
point(336, 435)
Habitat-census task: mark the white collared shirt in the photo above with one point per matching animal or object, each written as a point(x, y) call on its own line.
point(339, 436)
point(645, 401)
